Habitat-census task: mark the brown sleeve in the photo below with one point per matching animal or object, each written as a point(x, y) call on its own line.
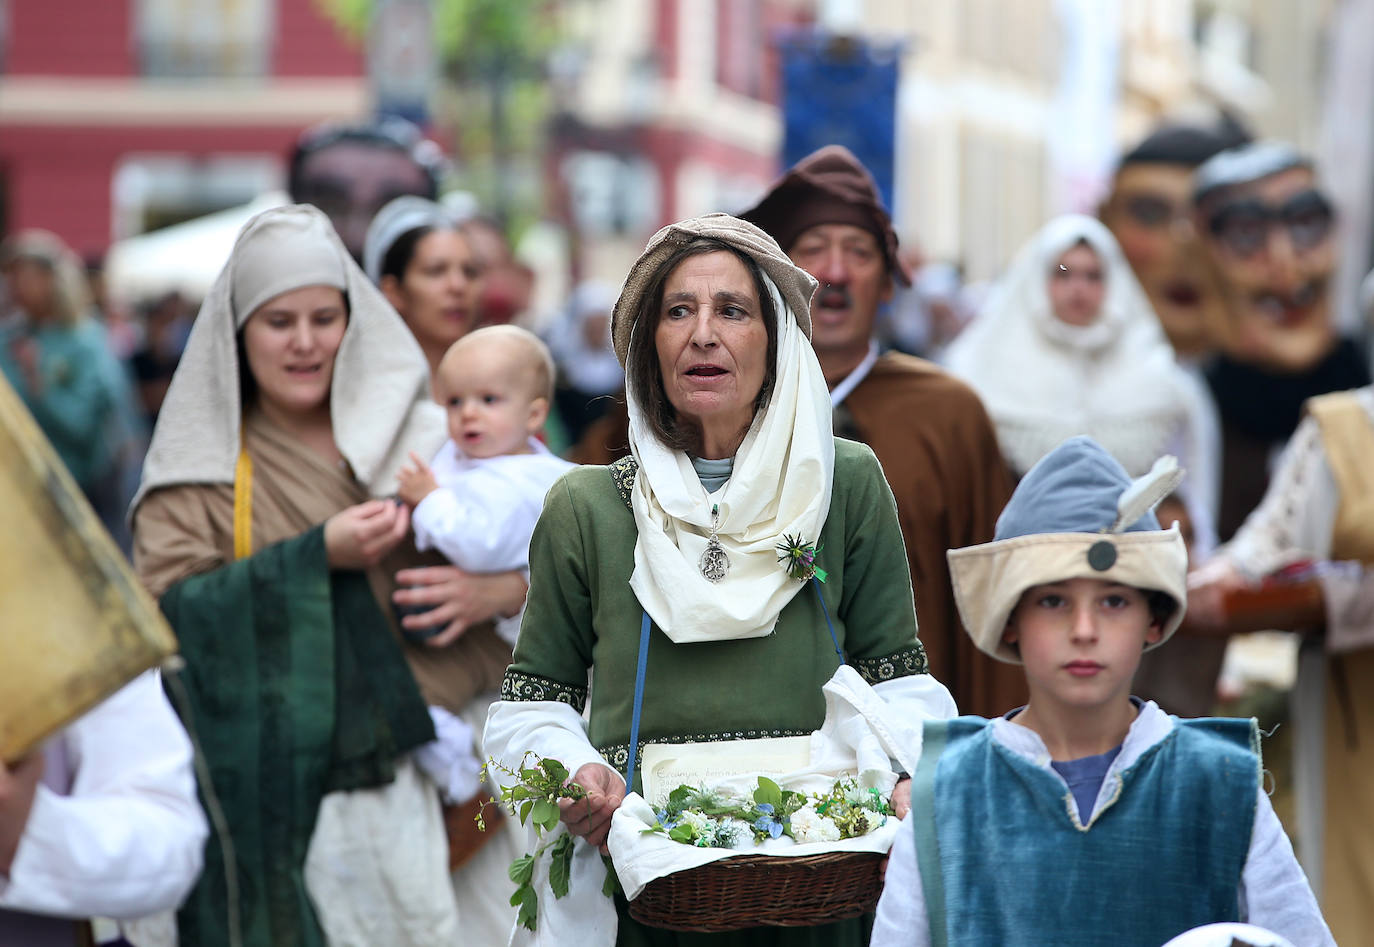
point(178, 534)
point(986, 482)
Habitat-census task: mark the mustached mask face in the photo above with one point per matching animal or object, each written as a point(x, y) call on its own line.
point(1271, 243)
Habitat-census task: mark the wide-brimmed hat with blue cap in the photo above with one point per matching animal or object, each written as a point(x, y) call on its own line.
point(1076, 514)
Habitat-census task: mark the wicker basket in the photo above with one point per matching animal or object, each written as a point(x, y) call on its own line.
point(762, 890)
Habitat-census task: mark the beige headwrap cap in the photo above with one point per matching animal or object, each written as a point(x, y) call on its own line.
point(379, 400)
point(288, 251)
point(795, 285)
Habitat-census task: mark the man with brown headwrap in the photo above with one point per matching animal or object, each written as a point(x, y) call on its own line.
point(929, 430)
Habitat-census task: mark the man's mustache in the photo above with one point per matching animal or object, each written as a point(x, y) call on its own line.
point(834, 297)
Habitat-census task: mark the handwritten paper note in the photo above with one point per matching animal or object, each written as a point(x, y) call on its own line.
point(669, 765)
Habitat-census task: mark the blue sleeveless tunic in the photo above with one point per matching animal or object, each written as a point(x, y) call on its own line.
point(1004, 862)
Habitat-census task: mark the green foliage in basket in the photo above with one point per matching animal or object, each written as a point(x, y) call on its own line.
point(708, 818)
point(533, 799)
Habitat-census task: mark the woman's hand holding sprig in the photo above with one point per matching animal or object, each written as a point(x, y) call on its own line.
point(590, 816)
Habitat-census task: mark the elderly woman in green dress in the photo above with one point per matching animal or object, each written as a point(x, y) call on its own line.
point(732, 460)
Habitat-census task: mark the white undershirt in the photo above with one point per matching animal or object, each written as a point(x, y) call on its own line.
point(854, 378)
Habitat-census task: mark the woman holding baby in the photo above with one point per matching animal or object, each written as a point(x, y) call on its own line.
point(262, 525)
point(672, 560)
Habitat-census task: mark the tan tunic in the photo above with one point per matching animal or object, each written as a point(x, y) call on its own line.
point(1348, 838)
point(188, 529)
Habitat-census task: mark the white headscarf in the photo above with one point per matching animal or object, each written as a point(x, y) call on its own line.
point(379, 398)
point(397, 217)
point(780, 484)
point(1043, 380)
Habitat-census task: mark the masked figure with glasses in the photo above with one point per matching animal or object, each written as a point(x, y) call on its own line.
point(1267, 232)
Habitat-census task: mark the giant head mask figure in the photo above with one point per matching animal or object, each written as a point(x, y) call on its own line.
point(1268, 233)
point(1149, 211)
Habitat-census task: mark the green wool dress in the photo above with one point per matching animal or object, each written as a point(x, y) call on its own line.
point(581, 614)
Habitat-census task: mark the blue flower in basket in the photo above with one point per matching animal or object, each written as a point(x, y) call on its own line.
point(768, 822)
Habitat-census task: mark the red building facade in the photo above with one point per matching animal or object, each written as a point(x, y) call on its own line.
point(90, 87)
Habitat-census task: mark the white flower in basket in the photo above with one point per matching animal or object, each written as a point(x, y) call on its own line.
point(808, 825)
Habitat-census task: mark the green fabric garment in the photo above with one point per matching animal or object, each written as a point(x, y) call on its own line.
point(297, 688)
point(581, 612)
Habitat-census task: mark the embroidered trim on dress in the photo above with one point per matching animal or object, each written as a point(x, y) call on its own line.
point(517, 685)
point(902, 663)
point(623, 476)
point(618, 754)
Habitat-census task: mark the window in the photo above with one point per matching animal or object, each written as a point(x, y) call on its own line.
point(203, 38)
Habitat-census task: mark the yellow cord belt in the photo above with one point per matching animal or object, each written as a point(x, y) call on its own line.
point(243, 505)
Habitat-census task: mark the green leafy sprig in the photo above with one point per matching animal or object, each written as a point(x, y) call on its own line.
point(854, 811)
point(533, 799)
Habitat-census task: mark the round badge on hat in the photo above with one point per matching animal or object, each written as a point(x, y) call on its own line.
point(1102, 555)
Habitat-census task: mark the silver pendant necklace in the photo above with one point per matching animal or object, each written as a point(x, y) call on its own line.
point(714, 563)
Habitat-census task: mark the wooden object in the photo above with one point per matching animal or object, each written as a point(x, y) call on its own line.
point(1285, 604)
point(75, 624)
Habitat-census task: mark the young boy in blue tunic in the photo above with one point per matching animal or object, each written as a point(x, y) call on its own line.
point(1087, 817)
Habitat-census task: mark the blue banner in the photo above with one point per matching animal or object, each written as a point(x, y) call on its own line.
point(841, 91)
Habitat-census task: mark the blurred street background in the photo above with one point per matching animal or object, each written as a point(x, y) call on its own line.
point(581, 126)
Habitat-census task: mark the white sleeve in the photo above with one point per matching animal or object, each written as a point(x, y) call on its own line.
point(482, 524)
point(901, 916)
point(1294, 519)
point(1274, 890)
point(548, 728)
point(508, 628)
point(914, 699)
point(129, 839)
point(450, 759)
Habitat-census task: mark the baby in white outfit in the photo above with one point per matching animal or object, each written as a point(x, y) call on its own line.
point(478, 499)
